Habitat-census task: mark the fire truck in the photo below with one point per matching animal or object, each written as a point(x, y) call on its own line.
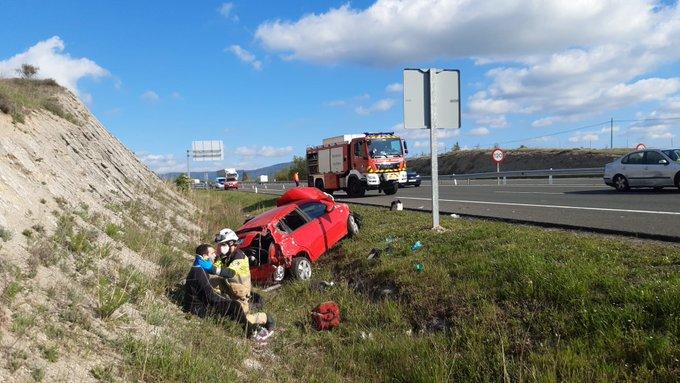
point(358, 162)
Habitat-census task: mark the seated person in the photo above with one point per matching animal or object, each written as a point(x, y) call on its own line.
point(200, 298)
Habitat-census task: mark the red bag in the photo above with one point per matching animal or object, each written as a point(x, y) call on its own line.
point(326, 316)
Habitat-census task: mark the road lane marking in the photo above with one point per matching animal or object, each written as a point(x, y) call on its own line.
point(522, 192)
point(548, 206)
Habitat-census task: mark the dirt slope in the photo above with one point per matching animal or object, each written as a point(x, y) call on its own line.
point(476, 161)
point(67, 175)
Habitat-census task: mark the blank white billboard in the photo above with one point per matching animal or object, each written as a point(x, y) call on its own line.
point(207, 150)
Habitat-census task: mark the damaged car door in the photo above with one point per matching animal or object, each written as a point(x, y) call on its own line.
point(331, 223)
point(302, 235)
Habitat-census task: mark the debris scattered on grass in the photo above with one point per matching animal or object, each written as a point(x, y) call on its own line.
point(374, 254)
point(454, 215)
point(272, 288)
point(419, 267)
point(416, 246)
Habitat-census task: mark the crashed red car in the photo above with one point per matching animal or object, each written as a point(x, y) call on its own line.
point(289, 238)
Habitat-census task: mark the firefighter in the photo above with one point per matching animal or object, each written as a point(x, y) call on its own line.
point(237, 285)
point(201, 299)
point(296, 178)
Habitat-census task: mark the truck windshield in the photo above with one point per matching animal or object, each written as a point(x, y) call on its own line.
point(231, 178)
point(673, 154)
point(384, 147)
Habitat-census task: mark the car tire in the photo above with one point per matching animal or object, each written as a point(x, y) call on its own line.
point(418, 184)
point(352, 226)
point(677, 180)
point(301, 268)
point(621, 183)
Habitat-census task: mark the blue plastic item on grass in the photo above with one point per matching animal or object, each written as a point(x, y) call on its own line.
point(416, 246)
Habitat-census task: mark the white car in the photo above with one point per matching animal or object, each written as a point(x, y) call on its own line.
point(656, 168)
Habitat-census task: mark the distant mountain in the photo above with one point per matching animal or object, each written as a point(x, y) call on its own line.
point(252, 174)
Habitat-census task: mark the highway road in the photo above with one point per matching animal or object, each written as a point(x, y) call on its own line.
point(570, 203)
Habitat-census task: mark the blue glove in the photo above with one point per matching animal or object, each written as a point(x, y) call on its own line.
point(203, 264)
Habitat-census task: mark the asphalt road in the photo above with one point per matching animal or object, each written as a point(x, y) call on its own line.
point(571, 203)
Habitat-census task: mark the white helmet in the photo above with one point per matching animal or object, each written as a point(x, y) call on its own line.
point(226, 235)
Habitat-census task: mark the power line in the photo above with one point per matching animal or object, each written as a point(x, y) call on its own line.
point(557, 133)
point(650, 119)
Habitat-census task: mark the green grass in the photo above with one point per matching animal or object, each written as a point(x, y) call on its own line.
point(495, 302)
point(19, 96)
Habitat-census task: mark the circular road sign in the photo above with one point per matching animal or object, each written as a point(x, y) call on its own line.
point(640, 147)
point(497, 155)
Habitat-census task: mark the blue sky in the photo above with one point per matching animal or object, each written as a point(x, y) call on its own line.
point(269, 78)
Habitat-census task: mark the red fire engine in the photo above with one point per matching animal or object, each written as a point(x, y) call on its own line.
point(358, 162)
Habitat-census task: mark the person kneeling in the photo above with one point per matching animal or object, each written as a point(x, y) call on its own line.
point(201, 299)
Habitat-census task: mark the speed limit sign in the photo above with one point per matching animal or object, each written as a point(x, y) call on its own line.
point(497, 155)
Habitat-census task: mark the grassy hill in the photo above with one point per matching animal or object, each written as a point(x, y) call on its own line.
point(477, 161)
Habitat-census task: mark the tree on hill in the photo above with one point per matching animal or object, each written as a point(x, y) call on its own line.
point(182, 182)
point(27, 71)
point(299, 165)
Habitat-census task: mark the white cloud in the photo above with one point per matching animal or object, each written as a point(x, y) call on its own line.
point(176, 96)
point(49, 57)
point(246, 56)
point(392, 32)
point(558, 60)
point(162, 163)
point(382, 105)
point(225, 9)
point(479, 132)
point(150, 96)
point(395, 87)
point(336, 103)
point(263, 151)
point(584, 137)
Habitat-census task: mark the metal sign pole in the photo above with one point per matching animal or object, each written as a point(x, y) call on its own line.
point(434, 162)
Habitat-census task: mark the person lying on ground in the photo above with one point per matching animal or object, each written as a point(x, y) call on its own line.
point(200, 298)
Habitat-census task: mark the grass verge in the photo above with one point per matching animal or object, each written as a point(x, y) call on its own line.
point(495, 302)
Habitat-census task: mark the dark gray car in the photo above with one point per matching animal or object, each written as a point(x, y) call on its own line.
point(657, 168)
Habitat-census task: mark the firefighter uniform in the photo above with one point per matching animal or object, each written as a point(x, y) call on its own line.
point(237, 285)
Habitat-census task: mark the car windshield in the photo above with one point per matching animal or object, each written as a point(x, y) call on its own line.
point(673, 154)
point(387, 147)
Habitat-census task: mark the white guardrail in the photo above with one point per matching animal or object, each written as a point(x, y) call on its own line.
point(504, 175)
point(542, 173)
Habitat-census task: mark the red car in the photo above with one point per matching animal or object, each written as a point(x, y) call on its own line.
point(230, 184)
point(289, 238)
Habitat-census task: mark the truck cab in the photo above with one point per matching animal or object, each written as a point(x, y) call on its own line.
point(356, 163)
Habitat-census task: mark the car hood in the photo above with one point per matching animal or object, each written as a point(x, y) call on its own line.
point(260, 221)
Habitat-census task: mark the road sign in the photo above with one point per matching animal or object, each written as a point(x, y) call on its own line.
point(497, 156)
point(640, 147)
point(431, 98)
point(432, 101)
point(207, 150)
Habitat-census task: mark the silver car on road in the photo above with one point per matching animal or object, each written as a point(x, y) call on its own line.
point(657, 168)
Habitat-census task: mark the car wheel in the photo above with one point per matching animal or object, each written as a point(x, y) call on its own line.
point(352, 226)
point(302, 268)
point(418, 184)
point(621, 183)
point(677, 180)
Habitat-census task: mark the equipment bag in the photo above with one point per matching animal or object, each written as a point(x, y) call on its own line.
point(326, 316)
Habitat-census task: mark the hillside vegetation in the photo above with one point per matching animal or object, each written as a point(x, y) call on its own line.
point(477, 161)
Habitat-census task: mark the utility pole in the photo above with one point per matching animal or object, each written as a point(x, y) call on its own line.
point(611, 133)
point(188, 164)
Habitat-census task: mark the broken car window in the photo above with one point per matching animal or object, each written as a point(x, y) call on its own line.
point(294, 220)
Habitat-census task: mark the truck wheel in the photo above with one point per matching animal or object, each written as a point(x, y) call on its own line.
point(355, 188)
point(391, 188)
point(301, 269)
